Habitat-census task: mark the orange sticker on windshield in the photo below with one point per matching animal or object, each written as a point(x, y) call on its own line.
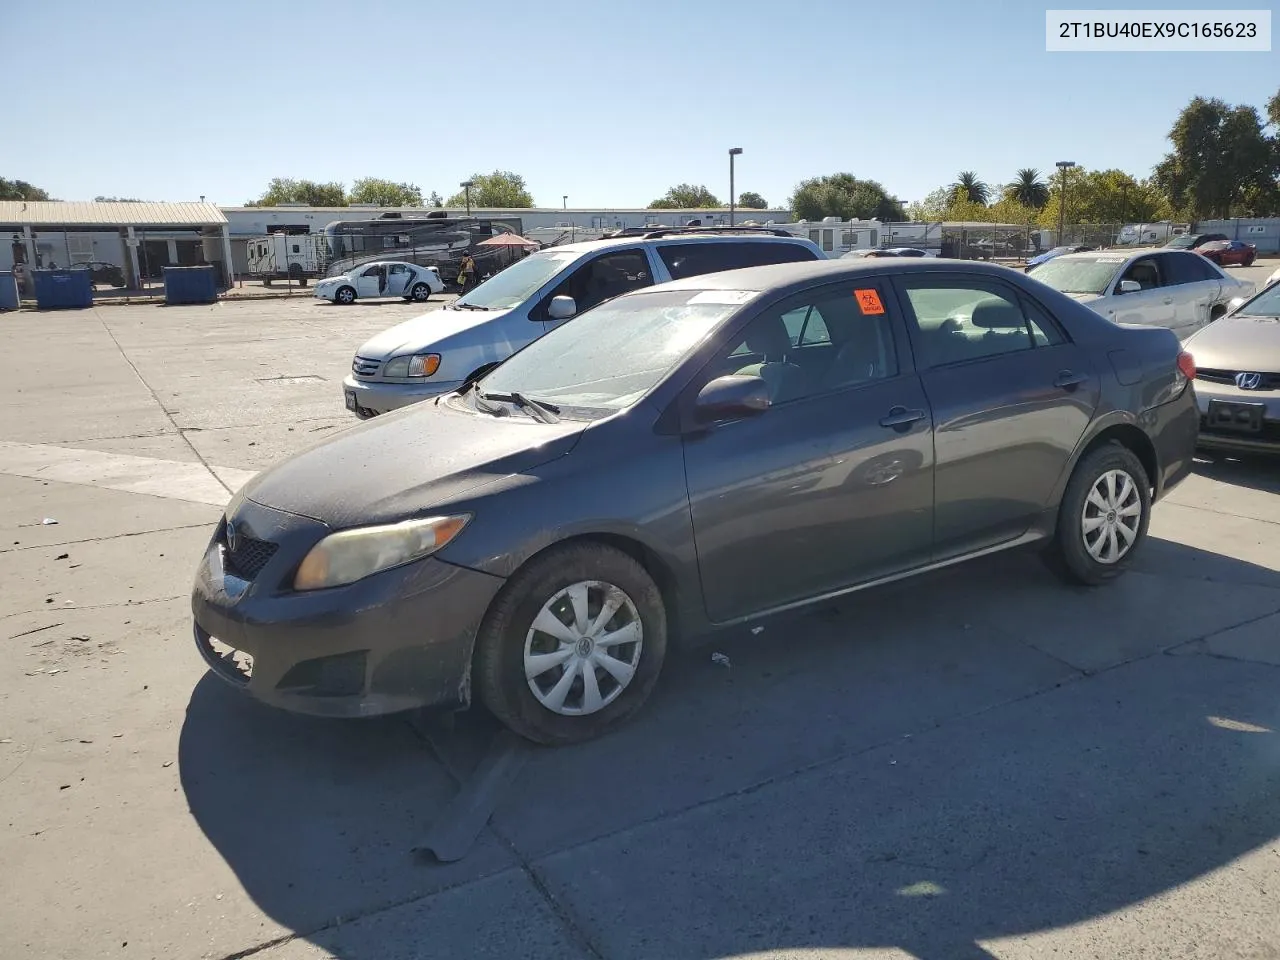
point(869, 301)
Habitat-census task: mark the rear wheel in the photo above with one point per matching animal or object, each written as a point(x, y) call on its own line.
point(1103, 517)
point(573, 645)
point(420, 292)
point(345, 295)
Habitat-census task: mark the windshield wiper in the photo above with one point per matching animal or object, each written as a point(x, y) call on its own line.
point(468, 306)
point(545, 412)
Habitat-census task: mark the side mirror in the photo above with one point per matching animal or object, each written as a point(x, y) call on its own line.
point(725, 398)
point(561, 308)
point(1129, 286)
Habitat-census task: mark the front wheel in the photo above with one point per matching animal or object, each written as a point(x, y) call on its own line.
point(420, 292)
point(573, 645)
point(344, 295)
point(1103, 517)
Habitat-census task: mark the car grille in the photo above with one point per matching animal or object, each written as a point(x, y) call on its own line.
point(364, 367)
point(1270, 381)
point(249, 557)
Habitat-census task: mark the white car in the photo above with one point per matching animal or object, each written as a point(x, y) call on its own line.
point(1177, 289)
point(1274, 278)
point(385, 278)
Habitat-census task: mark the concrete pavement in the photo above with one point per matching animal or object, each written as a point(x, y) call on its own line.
point(979, 763)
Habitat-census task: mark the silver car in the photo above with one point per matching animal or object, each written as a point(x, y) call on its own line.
point(439, 351)
point(1176, 289)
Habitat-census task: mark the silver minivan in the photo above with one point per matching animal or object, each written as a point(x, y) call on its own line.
point(439, 351)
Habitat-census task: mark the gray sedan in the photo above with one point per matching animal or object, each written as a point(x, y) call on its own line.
point(694, 455)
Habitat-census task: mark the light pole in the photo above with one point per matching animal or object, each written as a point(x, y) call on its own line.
point(565, 198)
point(467, 185)
point(733, 197)
point(1064, 166)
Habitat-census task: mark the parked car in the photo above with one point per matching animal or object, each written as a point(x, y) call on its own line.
point(437, 352)
point(1227, 253)
point(1056, 252)
point(385, 278)
point(1177, 289)
point(1193, 241)
point(698, 455)
point(1238, 377)
point(102, 272)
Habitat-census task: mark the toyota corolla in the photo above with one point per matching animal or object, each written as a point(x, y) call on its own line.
point(682, 458)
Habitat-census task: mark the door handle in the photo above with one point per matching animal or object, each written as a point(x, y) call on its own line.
point(1068, 380)
point(899, 418)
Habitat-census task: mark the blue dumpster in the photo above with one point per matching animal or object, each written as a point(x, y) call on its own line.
point(190, 285)
point(8, 291)
point(57, 289)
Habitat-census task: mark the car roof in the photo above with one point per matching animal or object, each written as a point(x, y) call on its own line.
point(605, 243)
point(1128, 253)
point(775, 276)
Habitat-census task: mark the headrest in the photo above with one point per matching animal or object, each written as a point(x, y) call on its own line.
point(997, 314)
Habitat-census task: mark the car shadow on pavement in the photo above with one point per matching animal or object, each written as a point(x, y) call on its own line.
point(1259, 472)
point(976, 754)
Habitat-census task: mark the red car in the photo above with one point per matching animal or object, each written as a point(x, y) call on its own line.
point(1226, 253)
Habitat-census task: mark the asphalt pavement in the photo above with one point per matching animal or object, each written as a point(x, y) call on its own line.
point(973, 764)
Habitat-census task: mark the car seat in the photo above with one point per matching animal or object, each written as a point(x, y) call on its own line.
point(1145, 274)
point(785, 380)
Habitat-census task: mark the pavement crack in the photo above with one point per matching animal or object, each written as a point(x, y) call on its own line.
point(163, 409)
point(104, 539)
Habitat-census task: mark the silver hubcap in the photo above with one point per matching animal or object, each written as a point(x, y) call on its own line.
point(345, 296)
point(1111, 517)
point(583, 647)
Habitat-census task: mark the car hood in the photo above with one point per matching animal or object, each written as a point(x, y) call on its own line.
point(426, 330)
point(408, 462)
point(340, 278)
point(1238, 343)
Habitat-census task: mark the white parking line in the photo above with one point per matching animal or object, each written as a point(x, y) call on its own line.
point(193, 482)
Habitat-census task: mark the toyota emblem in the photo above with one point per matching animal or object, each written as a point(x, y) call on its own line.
point(1248, 381)
point(233, 537)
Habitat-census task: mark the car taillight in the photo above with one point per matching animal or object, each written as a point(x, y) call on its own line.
point(1187, 365)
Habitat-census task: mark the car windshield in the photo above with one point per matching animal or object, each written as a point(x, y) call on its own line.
point(608, 358)
point(1079, 276)
point(1181, 242)
point(1265, 304)
point(518, 282)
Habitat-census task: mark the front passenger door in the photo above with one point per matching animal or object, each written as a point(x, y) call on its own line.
point(369, 282)
point(1154, 304)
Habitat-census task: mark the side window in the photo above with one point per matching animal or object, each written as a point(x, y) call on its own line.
point(694, 259)
point(604, 277)
point(371, 272)
point(396, 268)
point(1044, 332)
point(297, 249)
point(1145, 272)
point(814, 344)
point(828, 240)
point(961, 320)
point(1181, 268)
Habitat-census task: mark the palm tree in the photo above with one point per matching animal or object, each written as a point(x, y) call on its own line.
point(974, 189)
point(1028, 189)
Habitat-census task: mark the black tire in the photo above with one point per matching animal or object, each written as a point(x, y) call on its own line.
point(345, 295)
point(420, 293)
point(500, 679)
point(1069, 554)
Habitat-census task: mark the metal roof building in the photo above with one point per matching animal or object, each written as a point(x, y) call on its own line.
point(141, 237)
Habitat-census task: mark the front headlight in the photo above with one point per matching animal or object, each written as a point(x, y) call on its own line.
point(422, 365)
point(351, 555)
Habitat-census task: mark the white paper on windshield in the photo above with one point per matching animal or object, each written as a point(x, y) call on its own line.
point(1110, 259)
point(725, 298)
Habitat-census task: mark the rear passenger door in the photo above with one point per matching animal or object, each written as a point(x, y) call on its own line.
point(1195, 286)
point(696, 258)
point(1011, 396)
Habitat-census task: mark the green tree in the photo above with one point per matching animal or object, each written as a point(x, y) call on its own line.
point(287, 190)
point(435, 200)
point(974, 189)
point(501, 189)
point(1223, 163)
point(21, 190)
point(932, 208)
point(1028, 189)
point(385, 193)
point(1106, 196)
point(685, 196)
point(845, 196)
point(752, 201)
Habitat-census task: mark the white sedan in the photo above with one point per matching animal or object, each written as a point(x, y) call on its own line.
point(1177, 289)
point(385, 278)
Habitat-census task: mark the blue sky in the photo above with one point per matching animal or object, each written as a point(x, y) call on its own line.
point(610, 102)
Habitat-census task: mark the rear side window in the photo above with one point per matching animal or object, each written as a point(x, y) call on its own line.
point(961, 320)
point(1186, 268)
point(696, 259)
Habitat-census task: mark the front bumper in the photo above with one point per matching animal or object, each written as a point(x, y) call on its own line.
point(397, 640)
point(367, 398)
point(1265, 439)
